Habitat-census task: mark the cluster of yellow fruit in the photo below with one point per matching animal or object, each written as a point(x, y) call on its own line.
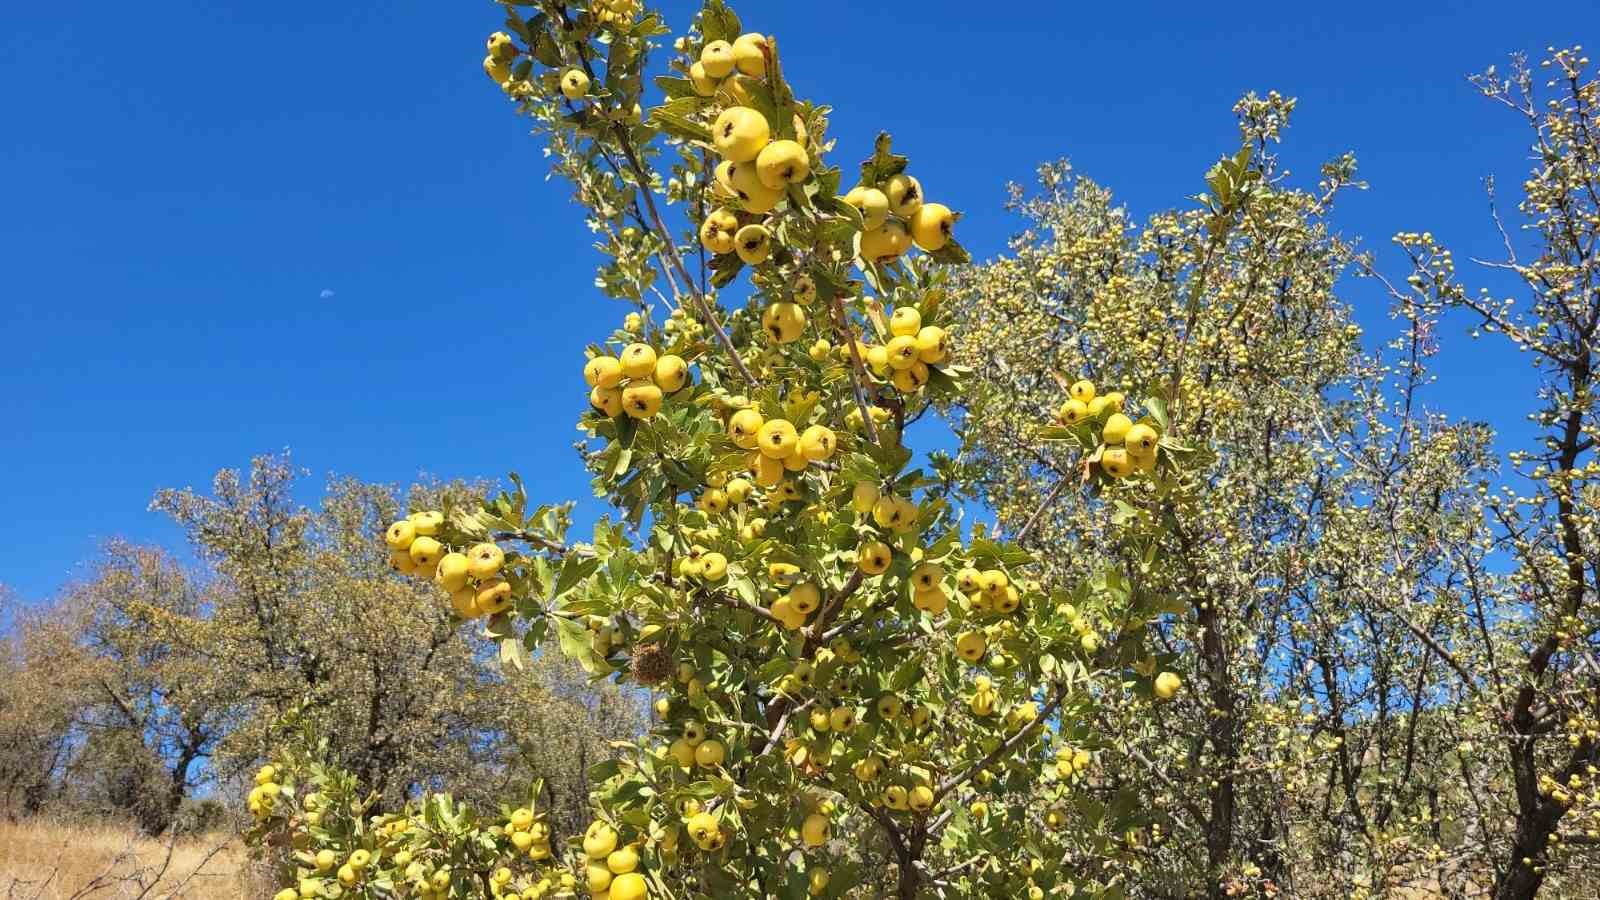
point(472, 579)
point(612, 870)
point(529, 834)
point(636, 383)
point(912, 347)
point(1072, 762)
point(615, 12)
point(894, 216)
point(984, 697)
point(917, 798)
point(777, 446)
point(695, 749)
point(1129, 446)
point(704, 828)
point(264, 794)
point(497, 65)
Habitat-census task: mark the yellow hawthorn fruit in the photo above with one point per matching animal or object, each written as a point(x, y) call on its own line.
point(1116, 428)
point(933, 602)
point(738, 490)
point(784, 322)
point(599, 840)
point(493, 596)
point(574, 84)
point(819, 350)
point(400, 535)
point(1090, 642)
point(1008, 602)
point(400, 561)
point(717, 234)
point(753, 243)
point(910, 380)
point(814, 831)
point(425, 552)
point(804, 290)
point(994, 583)
point(979, 809)
point(868, 769)
point(969, 580)
point(744, 180)
point(920, 798)
point(873, 205)
point(749, 54)
point(629, 886)
point(905, 322)
point(713, 501)
point(786, 574)
point(607, 400)
point(886, 243)
point(932, 225)
point(863, 497)
point(1142, 440)
point(713, 566)
point(777, 439)
point(873, 557)
point(359, 860)
point(887, 511)
point(894, 797)
point(1167, 685)
point(638, 361)
point(1082, 390)
point(1097, 407)
point(769, 471)
point(521, 818)
point(819, 719)
point(783, 609)
point(704, 84)
point(920, 717)
point(347, 875)
point(1113, 400)
point(817, 443)
point(905, 195)
point(485, 560)
point(782, 163)
point(877, 359)
point(927, 576)
point(287, 894)
point(682, 753)
point(641, 400)
point(671, 373)
point(598, 878)
point(971, 645)
point(744, 427)
point(497, 69)
point(266, 775)
point(842, 719)
point(1115, 462)
point(702, 826)
point(452, 573)
point(709, 754)
point(426, 523)
point(932, 345)
point(806, 598)
point(717, 59)
point(325, 860)
point(889, 707)
point(1073, 411)
point(465, 602)
point(603, 371)
point(740, 133)
point(817, 882)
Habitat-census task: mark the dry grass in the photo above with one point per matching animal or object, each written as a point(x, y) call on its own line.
point(50, 860)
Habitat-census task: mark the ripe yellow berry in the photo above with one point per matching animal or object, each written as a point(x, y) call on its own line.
point(638, 361)
point(1116, 428)
point(607, 400)
point(817, 443)
point(628, 886)
point(716, 58)
point(749, 54)
point(911, 379)
point(971, 645)
point(453, 571)
point(497, 69)
point(718, 233)
point(784, 322)
point(1116, 463)
point(1073, 411)
point(740, 133)
point(932, 345)
point(574, 84)
point(873, 205)
point(709, 754)
point(485, 560)
point(863, 497)
point(600, 839)
point(782, 163)
point(932, 225)
point(819, 351)
point(814, 831)
point(873, 557)
point(905, 322)
point(901, 352)
point(1167, 685)
point(777, 439)
point(704, 84)
point(713, 566)
point(1082, 390)
point(641, 400)
point(905, 195)
point(400, 535)
point(886, 243)
point(743, 428)
point(493, 597)
point(753, 243)
point(1142, 440)
point(671, 373)
point(425, 552)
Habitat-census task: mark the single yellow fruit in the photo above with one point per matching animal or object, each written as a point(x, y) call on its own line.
point(894, 797)
point(426, 523)
point(400, 535)
point(622, 860)
point(905, 195)
point(817, 882)
point(769, 470)
point(607, 400)
point(485, 560)
point(738, 490)
point(920, 798)
point(671, 373)
point(873, 557)
point(360, 859)
point(863, 497)
point(873, 205)
point(1073, 411)
point(905, 321)
point(1142, 440)
point(784, 322)
point(819, 350)
point(744, 427)
point(326, 860)
point(777, 439)
point(753, 243)
point(744, 181)
point(638, 361)
point(574, 84)
point(497, 69)
point(713, 567)
point(453, 572)
point(749, 54)
point(598, 878)
point(629, 886)
point(817, 443)
point(603, 371)
point(718, 233)
point(465, 602)
point(932, 345)
point(641, 400)
point(1116, 428)
point(704, 84)
point(425, 552)
point(599, 840)
point(806, 598)
point(842, 719)
point(740, 133)
point(1116, 463)
point(1082, 390)
point(814, 831)
point(709, 754)
point(782, 163)
point(493, 597)
point(717, 59)
point(932, 225)
point(1167, 685)
point(886, 243)
point(348, 875)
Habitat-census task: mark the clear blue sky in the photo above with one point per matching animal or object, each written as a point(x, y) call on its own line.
point(230, 228)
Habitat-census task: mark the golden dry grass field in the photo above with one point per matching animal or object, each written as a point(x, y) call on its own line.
point(50, 860)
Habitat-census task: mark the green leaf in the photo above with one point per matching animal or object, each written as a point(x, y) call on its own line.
point(675, 88)
point(718, 22)
point(573, 570)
